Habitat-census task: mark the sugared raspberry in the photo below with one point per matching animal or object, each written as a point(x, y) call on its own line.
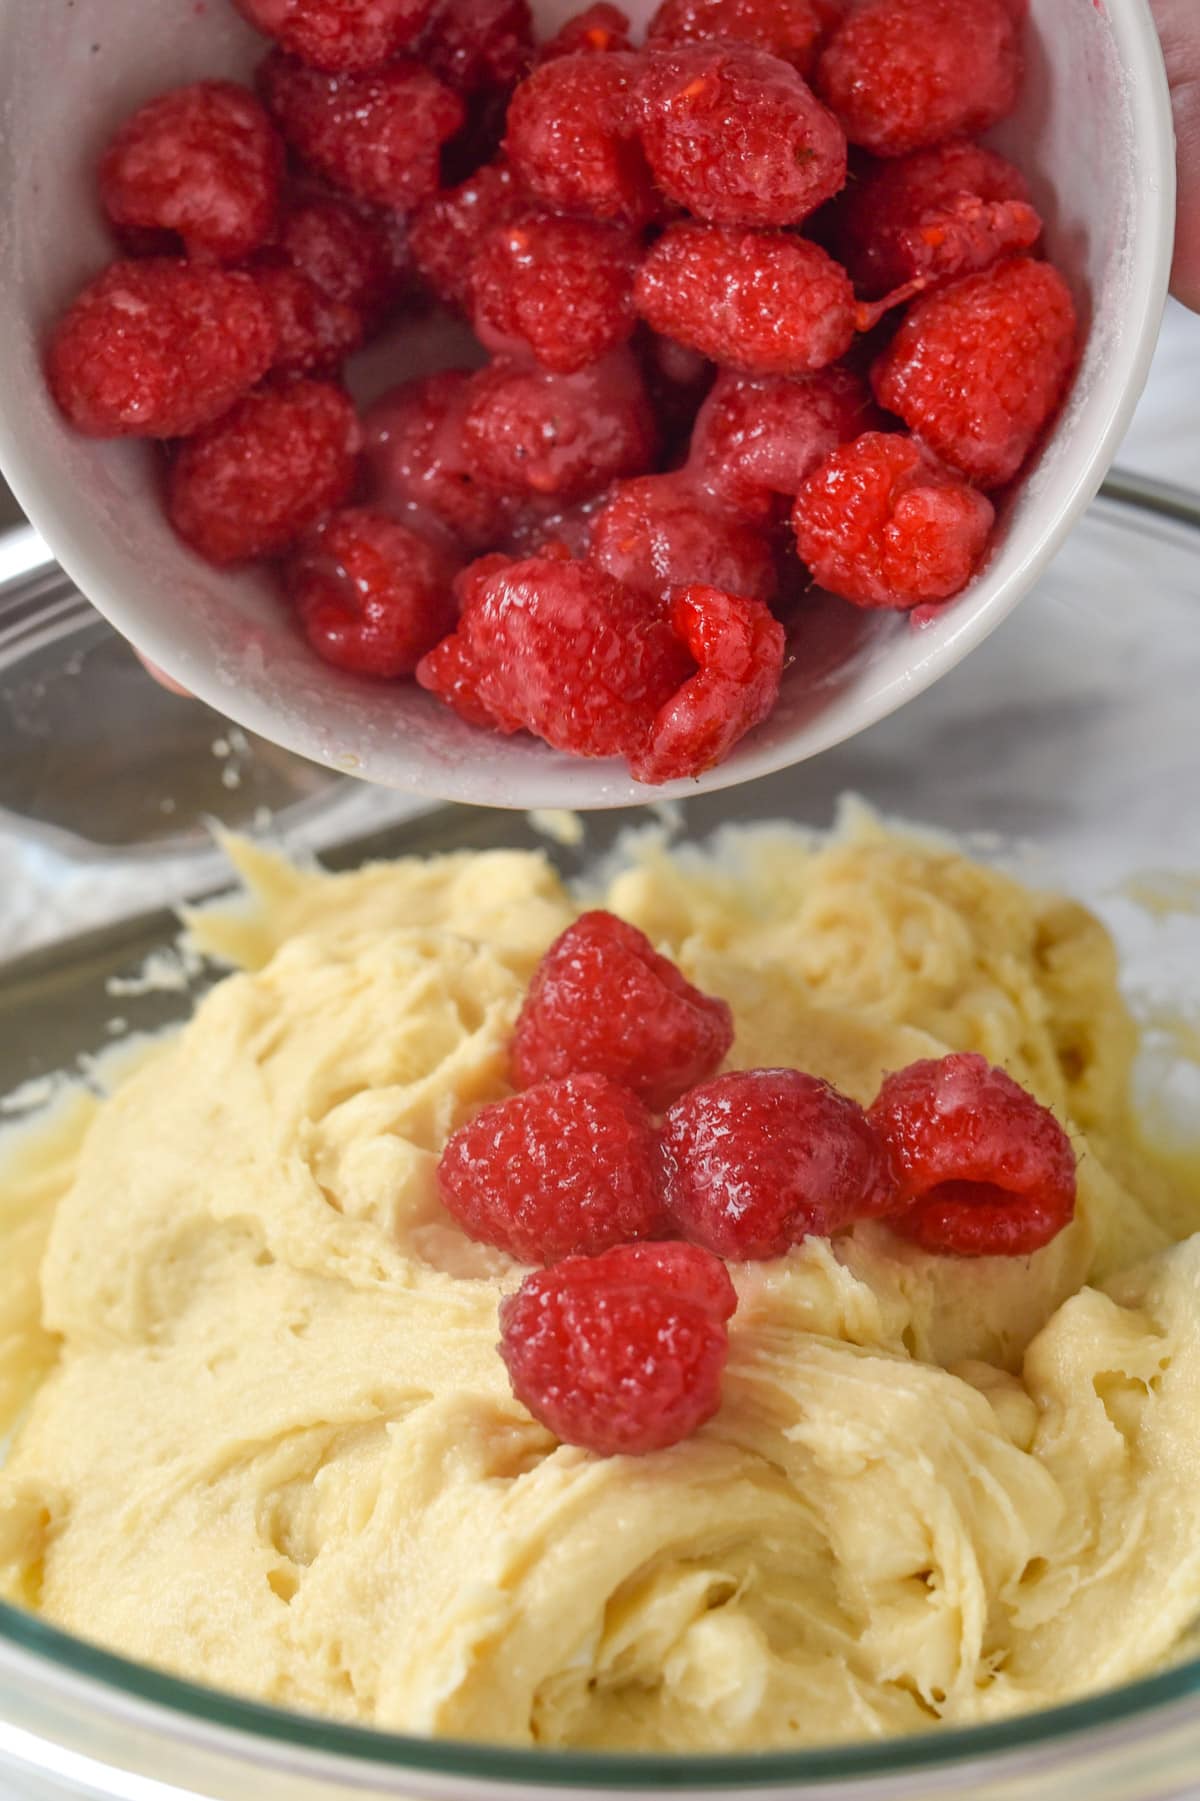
point(204, 162)
point(451, 672)
point(567, 1168)
point(316, 334)
point(371, 595)
point(445, 232)
point(901, 74)
point(597, 31)
point(562, 435)
point(761, 1158)
point(474, 45)
point(978, 369)
point(419, 467)
point(572, 137)
point(338, 35)
point(623, 1353)
point(253, 483)
point(789, 29)
point(377, 135)
point(660, 533)
point(603, 1000)
point(739, 647)
point(159, 349)
point(345, 254)
point(883, 525)
point(677, 380)
point(559, 288)
point(736, 137)
point(763, 301)
point(984, 1169)
point(759, 437)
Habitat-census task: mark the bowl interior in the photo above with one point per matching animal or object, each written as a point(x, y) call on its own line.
point(1092, 132)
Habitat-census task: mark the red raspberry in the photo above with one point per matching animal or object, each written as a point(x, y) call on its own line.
point(451, 672)
point(316, 334)
point(569, 1167)
point(159, 349)
point(378, 135)
point(561, 288)
point(473, 45)
point(677, 380)
point(204, 162)
point(602, 1000)
point(561, 435)
point(446, 231)
point(739, 647)
point(901, 74)
point(762, 1158)
point(623, 1353)
point(785, 157)
point(338, 35)
point(372, 596)
point(978, 369)
point(883, 525)
point(598, 30)
point(759, 437)
point(257, 480)
point(788, 29)
point(345, 254)
point(763, 301)
point(419, 466)
point(987, 1171)
point(572, 138)
point(658, 533)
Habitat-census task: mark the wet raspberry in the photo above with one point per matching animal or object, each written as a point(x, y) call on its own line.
point(451, 672)
point(559, 288)
point(621, 1354)
point(338, 35)
point(762, 301)
point(204, 162)
point(602, 1000)
point(446, 231)
point(883, 525)
point(255, 482)
point(978, 369)
point(985, 1169)
point(762, 1158)
point(371, 595)
point(788, 29)
point(677, 380)
point(739, 646)
point(596, 31)
point(759, 437)
point(316, 334)
point(659, 533)
point(901, 74)
point(344, 253)
point(474, 45)
point(786, 156)
point(377, 136)
point(572, 138)
point(565, 436)
point(419, 466)
point(159, 349)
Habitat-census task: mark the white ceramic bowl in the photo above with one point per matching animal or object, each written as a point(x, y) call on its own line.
point(1093, 132)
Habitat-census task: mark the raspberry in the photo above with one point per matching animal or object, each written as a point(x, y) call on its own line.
point(985, 1169)
point(763, 301)
point(316, 334)
point(346, 255)
point(338, 35)
point(978, 369)
point(881, 524)
point(561, 288)
point(621, 1354)
point(572, 138)
point(602, 1000)
point(788, 29)
point(419, 466)
point(159, 349)
point(561, 435)
point(598, 30)
point(900, 74)
point(474, 45)
point(257, 480)
point(762, 1158)
point(736, 137)
point(446, 231)
point(739, 647)
point(657, 534)
point(204, 162)
point(677, 380)
point(376, 135)
point(759, 437)
point(451, 672)
point(372, 596)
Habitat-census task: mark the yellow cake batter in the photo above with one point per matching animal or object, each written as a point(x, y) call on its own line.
point(271, 1445)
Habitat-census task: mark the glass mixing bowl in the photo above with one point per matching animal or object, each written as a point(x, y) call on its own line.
point(1069, 748)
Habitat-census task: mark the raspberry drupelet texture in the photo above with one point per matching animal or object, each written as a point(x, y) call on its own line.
point(338, 35)
point(255, 482)
point(563, 436)
point(559, 289)
point(477, 45)
point(882, 524)
point(597, 31)
point(984, 1169)
point(621, 1353)
point(316, 334)
point(734, 135)
point(445, 231)
point(572, 138)
point(762, 1158)
point(342, 251)
point(739, 647)
point(159, 349)
point(901, 74)
point(371, 595)
point(569, 1168)
point(419, 467)
point(203, 162)
point(376, 135)
point(977, 370)
point(789, 29)
point(759, 437)
point(660, 533)
point(604, 1001)
point(762, 301)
